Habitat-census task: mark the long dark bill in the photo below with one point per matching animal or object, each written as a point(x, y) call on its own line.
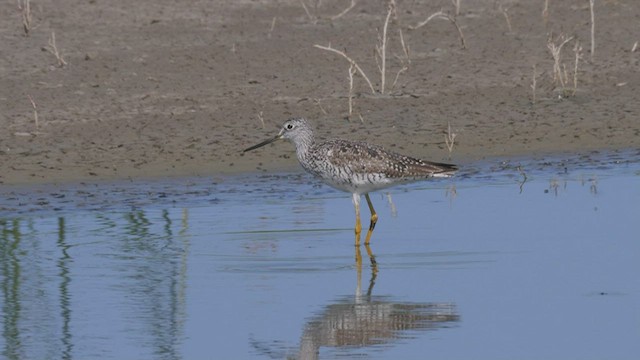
point(266, 142)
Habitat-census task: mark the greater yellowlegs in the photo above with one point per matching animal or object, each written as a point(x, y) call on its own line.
point(355, 167)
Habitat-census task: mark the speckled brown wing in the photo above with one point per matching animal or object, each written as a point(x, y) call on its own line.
point(364, 158)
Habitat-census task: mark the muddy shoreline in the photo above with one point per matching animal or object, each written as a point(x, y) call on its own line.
point(110, 195)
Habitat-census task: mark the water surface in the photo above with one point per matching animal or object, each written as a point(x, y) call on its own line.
point(527, 259)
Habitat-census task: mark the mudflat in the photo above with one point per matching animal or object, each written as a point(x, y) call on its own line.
point(166, 88)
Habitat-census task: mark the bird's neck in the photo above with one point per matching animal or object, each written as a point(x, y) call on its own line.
point(304, 144)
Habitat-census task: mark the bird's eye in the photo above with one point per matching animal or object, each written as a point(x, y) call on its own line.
point(289, 126)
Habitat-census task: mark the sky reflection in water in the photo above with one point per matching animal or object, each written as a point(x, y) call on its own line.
point(483, 266)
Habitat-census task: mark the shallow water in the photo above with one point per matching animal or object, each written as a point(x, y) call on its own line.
point(527, 259)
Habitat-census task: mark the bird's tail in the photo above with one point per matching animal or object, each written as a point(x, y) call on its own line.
point(443, 169)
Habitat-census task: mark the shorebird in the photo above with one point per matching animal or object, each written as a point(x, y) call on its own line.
point(355, 167)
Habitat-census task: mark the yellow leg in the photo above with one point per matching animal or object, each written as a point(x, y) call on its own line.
point(374, 220)
point(358, 230)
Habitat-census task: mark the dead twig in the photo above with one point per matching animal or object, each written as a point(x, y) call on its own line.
point(555, 49)
point(449, 138)
point(505, 12)
point(442, 15)
point(406, 61)
point(353, 3)
point(261, 118)
point(381, 49)
point(395, 81)
point(273, 25)
point(306, 10)
point(52, 48)
point(405, 47)
point(577, 49)
point(352, 71)
point(380, 56)
point(560, 73)
point(593, 28)
point(27, 18)
point(351, 61)
point(317, 101)
point(456, 5)
point(533, 85)
point(35, 111)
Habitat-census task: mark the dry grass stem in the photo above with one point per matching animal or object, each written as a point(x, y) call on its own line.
point(35, 111)
point(505, 12)
point(27, 18)
point(405, 47)
point(52, 48)
point(317, 101)
point(456, 6)
point(449, 138)
point(381, 49)
point(306, 10)
point(351, 61)
point(558, 75)
point(406, 60)
point(353, 3)
point(395, 81)
point(442, 15)
point(273, 25)
point(577, 49)
point(593, 28)
point(380, 57)
point(565, 76)
point(352, 71)
point(261, 118)
point(533, 85)
point(545, 12)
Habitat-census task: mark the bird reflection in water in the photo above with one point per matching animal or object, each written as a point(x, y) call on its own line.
point(364, 320)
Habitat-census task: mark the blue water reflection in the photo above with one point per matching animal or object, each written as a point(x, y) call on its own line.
point(528, 259)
